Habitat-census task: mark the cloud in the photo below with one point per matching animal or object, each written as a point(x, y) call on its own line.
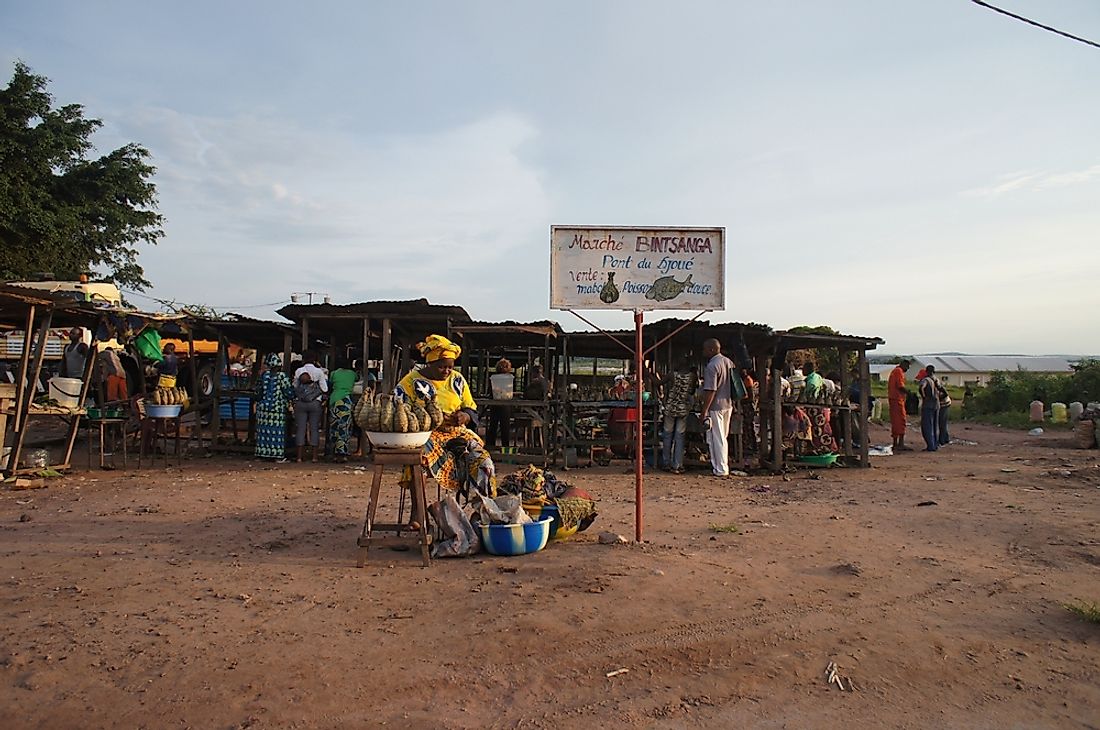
point(1069, 178)
point(392, 216)
point(1034, 181)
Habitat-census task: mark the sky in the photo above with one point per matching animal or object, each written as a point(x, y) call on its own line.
point(925, 172)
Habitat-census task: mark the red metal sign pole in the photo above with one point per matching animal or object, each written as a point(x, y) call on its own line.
point(639, 385)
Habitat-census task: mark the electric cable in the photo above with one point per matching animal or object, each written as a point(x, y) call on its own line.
point(1021, 18)
point(175, 303)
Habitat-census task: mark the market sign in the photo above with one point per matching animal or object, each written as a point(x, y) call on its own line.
point(637, 268)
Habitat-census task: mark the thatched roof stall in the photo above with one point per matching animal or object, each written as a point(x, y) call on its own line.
point(387, 330)
point(232, 398)
point(35, 311)
point(848, 353)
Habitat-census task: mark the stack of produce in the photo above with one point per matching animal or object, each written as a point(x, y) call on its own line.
point(170, 397)
point(386, 414)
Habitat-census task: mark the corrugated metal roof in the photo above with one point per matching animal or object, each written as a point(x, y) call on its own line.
point(991, 363)
point(411, 308)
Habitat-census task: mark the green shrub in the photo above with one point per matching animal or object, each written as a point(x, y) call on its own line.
point(1012, 392)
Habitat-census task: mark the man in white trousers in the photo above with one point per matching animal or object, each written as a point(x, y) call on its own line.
point(717, 406)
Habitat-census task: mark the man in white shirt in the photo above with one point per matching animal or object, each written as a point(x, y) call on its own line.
point(717, 405)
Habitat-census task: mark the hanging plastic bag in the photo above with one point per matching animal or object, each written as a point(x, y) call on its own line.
point(506, 509)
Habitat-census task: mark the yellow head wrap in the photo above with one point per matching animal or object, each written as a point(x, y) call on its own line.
point(437, 347)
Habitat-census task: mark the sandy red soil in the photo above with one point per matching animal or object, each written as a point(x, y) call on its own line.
point(225, 594)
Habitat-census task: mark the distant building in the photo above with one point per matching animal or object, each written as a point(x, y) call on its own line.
point(976, 369)
point(881, 370)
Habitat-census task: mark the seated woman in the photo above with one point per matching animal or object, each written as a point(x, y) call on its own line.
point(455, 455)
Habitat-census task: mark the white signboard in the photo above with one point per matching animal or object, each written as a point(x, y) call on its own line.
point(637, 268)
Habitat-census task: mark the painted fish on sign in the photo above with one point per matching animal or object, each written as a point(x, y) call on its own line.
point(667, 288)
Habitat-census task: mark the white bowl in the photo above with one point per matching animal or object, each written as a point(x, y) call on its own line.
point(155, 411)
point(411, 441)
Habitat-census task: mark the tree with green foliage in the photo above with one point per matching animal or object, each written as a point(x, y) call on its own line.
point(59, 210)
point(827, 359)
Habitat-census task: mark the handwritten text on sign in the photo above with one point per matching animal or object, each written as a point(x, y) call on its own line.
point(637, 268)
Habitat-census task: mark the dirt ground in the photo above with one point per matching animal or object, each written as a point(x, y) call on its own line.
point(225, 594)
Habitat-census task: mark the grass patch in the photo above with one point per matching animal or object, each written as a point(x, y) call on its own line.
point(1019, 421)
point(730, 528)
point(1083, 609)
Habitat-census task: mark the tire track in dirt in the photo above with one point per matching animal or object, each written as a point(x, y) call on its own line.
point(613, 647)
point(694, 633)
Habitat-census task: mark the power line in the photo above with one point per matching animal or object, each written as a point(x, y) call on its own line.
point(1037, 25)
point(173, 303)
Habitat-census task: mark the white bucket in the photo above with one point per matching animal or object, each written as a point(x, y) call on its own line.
point(502, 384)
point(66, 391)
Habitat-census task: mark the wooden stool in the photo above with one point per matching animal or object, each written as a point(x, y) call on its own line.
point(399, 458)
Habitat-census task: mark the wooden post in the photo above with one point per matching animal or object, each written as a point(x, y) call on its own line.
point(464, 358)
point(192, 367)
point(288, 347)
point(846, 414)
point(366, 349)
point(777, 419)
point(24, 364)
point(223, 343)
point(305, 333)
point(762, 402)
point(864, 409)
point(639, 446)
point(221, 362)
point(483, 373)
point(405, 364)
point(131, 348)
point(387, 378)
point(74, 427)
point(32, 386)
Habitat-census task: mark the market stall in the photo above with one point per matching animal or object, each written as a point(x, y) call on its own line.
point(242, 343)
point(816, 427)
point(385, 332)
point(598, 426)
point(35, 312)
point(530, 421)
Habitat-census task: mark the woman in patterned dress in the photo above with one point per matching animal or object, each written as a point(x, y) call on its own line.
point(341, 384)
point(275, 394)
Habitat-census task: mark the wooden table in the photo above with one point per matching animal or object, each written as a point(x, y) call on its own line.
point(399, 458)
point(160, 431)
point(540, 414)
point(105, 425)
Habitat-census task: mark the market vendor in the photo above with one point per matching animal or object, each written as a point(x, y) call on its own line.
point(500, 417)
point(455, 455)
point(168, 368)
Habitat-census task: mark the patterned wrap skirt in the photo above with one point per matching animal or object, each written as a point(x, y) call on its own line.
point(340, 425)
point(270, 433)
point(457, 459)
